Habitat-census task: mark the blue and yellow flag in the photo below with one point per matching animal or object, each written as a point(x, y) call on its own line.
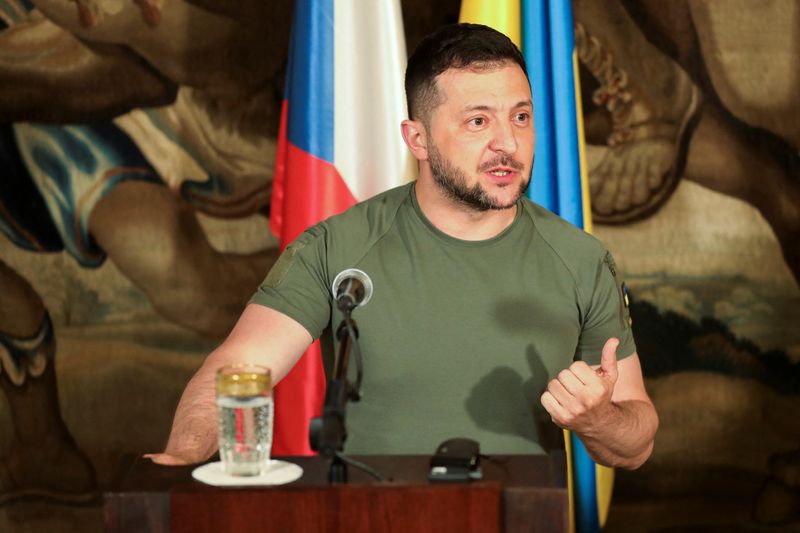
point(543, 29)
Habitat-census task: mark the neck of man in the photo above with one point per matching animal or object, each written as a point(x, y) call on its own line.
point(456, 219)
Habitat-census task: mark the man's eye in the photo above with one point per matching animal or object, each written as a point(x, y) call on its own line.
point(478, 121)
point(522, 117)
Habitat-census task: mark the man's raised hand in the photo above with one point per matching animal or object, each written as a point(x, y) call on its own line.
point(579, 398)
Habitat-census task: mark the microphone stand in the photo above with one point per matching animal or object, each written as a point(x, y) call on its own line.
point(328, 432)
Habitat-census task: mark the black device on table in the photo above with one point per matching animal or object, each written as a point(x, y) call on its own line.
point(456, 461)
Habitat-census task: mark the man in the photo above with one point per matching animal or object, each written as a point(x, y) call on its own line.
point(475, 288)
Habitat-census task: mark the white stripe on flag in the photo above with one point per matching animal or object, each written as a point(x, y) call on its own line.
point(369, 98)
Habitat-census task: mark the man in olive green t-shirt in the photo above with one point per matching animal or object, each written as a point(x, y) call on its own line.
point(482, 299)
point(460, 336)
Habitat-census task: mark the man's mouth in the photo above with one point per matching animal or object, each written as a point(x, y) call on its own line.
point(501, 167)
point(500, 172)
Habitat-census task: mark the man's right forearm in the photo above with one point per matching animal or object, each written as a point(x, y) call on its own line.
point(195, 427)
point(261, 336)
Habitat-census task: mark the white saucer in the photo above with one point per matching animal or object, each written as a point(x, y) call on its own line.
point(277, 473)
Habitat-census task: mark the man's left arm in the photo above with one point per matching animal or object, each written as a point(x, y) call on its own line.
point(607, 407)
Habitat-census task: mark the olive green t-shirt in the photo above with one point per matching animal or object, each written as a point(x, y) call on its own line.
point(460, 337)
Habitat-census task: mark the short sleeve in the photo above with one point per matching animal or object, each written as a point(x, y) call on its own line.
point(297, 284)
point(605, 314)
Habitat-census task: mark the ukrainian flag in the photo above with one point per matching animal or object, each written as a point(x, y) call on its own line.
point(543, 29)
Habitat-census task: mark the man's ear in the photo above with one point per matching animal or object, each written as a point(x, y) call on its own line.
point(416, 139)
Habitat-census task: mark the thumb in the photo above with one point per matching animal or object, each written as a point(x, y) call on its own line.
point(608, 361)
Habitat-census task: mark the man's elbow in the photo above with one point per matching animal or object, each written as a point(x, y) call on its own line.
point(634, 463)
point(638, 457)
point(625, 462)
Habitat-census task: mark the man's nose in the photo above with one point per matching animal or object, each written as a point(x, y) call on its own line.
point(504, 138)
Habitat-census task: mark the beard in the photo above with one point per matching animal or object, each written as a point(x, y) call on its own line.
point(452, 180)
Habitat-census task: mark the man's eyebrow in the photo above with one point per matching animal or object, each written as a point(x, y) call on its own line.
point(477, 107)
point(483, 107)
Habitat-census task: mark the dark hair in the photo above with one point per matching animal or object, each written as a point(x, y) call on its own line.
point(455, 46)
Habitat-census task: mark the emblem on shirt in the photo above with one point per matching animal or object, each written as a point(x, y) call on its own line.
point(626, 301)
point(622, 289)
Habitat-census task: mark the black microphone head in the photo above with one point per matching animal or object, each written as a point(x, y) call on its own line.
point(354, 284)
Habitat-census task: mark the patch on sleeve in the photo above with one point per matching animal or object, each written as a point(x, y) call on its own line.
point(626, 302)
point(282, 265)
point(622, 291)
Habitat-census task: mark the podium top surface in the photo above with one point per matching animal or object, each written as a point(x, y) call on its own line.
point(539, 471)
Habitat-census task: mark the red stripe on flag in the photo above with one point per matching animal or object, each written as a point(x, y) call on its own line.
point(313, 190)
point(306, 190)
point(279, 176)
point(298, 398)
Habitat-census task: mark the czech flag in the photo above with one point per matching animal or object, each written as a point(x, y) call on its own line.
point(339, 143)
point(543, 29)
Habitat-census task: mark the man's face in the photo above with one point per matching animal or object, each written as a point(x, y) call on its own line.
point(481, 138)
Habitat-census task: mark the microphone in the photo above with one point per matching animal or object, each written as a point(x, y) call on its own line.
point(351, 288)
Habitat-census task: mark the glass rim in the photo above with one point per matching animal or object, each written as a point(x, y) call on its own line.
point(241, 366)
point(243, 379)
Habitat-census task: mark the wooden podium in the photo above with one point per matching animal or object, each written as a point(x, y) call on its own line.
point(517, 493)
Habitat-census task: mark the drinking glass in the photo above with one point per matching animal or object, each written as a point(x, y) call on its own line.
point(244, 402)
